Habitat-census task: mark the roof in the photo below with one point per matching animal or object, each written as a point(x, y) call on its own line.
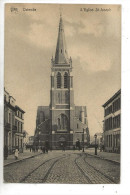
point(61, 56)
point(112, 98)
point(79, 109)
point(45, 110)
point(24, 131)
point(20, 109)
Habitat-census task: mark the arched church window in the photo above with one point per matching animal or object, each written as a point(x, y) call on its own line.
point(65, 80)
point(59, 126)
point(62, 122)
point(59, 80)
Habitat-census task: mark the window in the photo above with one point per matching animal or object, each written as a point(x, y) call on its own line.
point(116, 105)
point(77, 126)
point(65, 80)
point(18, 126)
point(59, 80)
point(59, 127)
point(9, 117)
point(62, 122)
point(21, 127)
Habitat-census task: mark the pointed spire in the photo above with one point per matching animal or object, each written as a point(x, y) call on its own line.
point(61, 56)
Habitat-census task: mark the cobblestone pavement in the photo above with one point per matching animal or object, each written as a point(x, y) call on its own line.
point(62, 167)
point(66, 171)
point(110, 169)
point(15, 173)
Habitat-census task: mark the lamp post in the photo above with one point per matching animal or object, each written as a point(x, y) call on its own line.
point(95, 144)
point(83, 140)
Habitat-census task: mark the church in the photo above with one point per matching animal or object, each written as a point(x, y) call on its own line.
point(62, 122)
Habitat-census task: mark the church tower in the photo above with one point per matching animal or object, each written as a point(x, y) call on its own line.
point(62, 122)
point(61, 93)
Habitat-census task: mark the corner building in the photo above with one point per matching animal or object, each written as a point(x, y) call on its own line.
point(64, 120)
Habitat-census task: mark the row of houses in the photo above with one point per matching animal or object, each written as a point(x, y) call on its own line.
point(112, 123)
point(109, 139)
point(13, 124)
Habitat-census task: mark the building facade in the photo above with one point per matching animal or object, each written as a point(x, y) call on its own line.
point(61, 121)
point(112, 123)
point(31, 140)
point(13, 124)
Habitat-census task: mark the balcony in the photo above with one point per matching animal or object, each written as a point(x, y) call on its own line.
point(7, 127)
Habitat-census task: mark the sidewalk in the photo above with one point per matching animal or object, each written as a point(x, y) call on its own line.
point(24, 155)
point(105, 155)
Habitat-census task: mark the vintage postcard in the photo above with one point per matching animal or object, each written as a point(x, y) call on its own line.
point(62, 93)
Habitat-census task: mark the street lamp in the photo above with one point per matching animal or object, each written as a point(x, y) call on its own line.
point(95, 144)
point(83, 140)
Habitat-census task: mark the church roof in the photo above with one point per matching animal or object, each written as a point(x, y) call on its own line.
point(45, 110)
point(79, 109)
point(61, 56)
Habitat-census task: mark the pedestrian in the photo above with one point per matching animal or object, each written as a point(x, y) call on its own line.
point(5, 152)
point(43, 149)
point(78, 144)
point(16, 154)
point(46, 146)
point(63, 147)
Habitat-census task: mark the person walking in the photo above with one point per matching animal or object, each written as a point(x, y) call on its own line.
point(43, 149)
point(64, 147)
point(46, 146)
point(16, 154)
point(78, 144)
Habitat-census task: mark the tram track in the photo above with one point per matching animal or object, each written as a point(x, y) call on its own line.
point(100, 172)
point(81, 170)
point(55, 169)
point(92, 174)
point(52, 162)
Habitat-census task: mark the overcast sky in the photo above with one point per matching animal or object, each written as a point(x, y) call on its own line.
point(93, 42)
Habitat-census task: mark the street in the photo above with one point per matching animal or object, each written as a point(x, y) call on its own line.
point(70, 167)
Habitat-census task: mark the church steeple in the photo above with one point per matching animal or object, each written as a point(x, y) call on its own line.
point(61, 56)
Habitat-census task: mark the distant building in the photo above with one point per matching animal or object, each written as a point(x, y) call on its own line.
point(31, 140)
point(13, 123)
point(61, 121)
point(25, 138)
point(99, 140)
point(112, 123)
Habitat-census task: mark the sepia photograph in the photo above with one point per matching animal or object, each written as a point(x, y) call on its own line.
point(62, 93)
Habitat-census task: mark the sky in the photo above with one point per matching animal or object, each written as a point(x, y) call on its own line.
point(93, 41)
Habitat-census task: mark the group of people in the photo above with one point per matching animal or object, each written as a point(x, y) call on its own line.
point(44, 148)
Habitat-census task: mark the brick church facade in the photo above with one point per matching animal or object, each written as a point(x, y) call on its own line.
point(61, 121)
